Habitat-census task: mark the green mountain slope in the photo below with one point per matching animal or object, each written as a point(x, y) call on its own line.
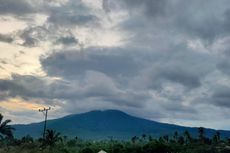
point(102, 124)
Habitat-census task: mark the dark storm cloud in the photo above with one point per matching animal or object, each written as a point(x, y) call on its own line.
point(208, 23)
point(207, 20)
point(18, 87)
point(6, 38)
point(151, 8)
point(95, 85)
point(32, 36)
point(72, 13)
point(133, 73)
point(221, 96)
point(30, 42)
point(224, 67)
point(68, 40)
point(179, 75)
point(15, 7)
point(128, 98)
point(128, 64)
point(37, 88)
point(71, 19)
point(74, 63)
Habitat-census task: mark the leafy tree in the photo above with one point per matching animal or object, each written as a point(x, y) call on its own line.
point(52, 137)
point(181, 140)
point(175, 136)
point(156, 147)
point(166, 138)
point(27, 139)
point(87, 150)
point(6, 129)
point(144, 136)
point(134, 139)
point(150, 138)
point(188, 138)
point(117, 148)
point(216, 138)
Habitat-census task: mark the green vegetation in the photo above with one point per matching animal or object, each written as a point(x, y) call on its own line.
point(54, 142)
point(5, 129)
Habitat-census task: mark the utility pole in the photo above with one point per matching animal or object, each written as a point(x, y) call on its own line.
point(45, 112)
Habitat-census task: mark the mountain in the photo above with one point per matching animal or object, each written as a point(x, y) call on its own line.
point(99, 125)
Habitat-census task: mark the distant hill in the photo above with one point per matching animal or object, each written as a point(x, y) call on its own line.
point(98, 125)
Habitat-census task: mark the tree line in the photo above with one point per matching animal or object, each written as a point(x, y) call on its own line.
point(54, 142)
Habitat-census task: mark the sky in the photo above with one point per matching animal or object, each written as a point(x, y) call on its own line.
point(163, 60)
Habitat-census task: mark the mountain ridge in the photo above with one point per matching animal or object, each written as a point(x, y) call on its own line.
point(99, 124)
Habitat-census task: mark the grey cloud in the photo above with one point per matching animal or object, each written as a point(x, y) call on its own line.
point(129, 98)
point(71, 13)
point(15, 7)
point(95, 85)
point(221, 96)
point(68, 40)
point(30, 42)
point(179, 75)
point(6, 38)
point(18, 87)
point(71, 19)
point(158, 76)
point(32, 36)
point(184, 67)
point(224, 67)
point(105, 5)
point(195, 19)
point(38, 87)
point(74, 63)
point(151, 8)
point(208, 23)
point(125, 64)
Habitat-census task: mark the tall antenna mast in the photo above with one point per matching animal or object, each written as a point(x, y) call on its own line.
point(45, 113)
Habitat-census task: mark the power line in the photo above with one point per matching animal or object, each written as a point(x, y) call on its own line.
point(45, 113)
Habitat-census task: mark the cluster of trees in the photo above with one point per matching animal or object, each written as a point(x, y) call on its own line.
point(54, 142)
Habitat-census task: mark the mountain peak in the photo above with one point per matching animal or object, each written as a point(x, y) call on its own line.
point(108, 111)
point(100, 113)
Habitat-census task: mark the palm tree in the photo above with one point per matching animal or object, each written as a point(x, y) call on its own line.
point(5, 129)
point(52, 137)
